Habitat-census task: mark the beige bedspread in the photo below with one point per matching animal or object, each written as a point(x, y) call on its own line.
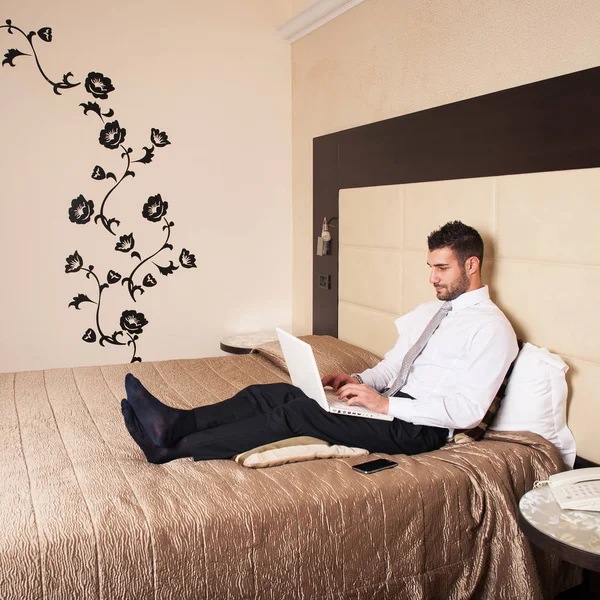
point(82, 515)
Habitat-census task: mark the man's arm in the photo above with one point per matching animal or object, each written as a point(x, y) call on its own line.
point(482, 370)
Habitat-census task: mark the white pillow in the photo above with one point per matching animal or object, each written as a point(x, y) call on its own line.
point(536, 400)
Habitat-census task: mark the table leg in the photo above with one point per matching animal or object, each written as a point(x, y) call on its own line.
point(591, 582)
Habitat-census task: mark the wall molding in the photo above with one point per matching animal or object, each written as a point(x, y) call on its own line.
point(315, 16)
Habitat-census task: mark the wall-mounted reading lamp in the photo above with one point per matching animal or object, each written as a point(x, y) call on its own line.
point(324, 240)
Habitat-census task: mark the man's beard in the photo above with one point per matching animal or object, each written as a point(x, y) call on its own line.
point(454, 290)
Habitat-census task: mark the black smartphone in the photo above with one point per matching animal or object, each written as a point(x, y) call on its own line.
point(373, 466)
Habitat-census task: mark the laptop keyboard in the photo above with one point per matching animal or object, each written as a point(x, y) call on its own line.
point(335, 402)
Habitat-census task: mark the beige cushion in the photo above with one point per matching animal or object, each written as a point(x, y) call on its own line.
point(295, 449)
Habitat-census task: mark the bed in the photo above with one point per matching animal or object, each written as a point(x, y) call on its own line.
point(82, 515)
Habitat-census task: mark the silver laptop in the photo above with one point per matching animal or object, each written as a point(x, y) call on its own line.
point(305, 375)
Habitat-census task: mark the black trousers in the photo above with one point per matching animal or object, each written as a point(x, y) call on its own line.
point(261, 414)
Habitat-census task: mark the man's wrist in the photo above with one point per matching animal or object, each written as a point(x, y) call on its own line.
point(385, 404)
point(357, 376)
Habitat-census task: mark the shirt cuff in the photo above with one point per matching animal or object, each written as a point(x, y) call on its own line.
point(365, 377)
point(401, 408)
point(368, 379)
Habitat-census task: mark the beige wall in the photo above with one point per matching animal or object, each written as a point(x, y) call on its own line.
point(386, 58)
point(300, 5)
point(216, 77)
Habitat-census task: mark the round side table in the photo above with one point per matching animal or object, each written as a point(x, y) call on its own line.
point(572, 535)
point(244, 343)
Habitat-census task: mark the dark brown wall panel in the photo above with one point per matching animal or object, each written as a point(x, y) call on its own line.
point(551, 125)
point(325, 203)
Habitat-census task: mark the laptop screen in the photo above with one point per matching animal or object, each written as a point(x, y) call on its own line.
point(302, 366)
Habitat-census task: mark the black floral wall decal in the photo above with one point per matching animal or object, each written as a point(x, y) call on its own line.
point(159, 138)
point(99, 174)
point(81, 210)
point(155, 209)
point(10, 56)
point(95, 108)
point(187, 260)
point(98, 85)
point(74, 263)
point(112, 137)
point(148, 156)
point(79, 299)
point(125, 243)
point(149, 281)
point(132, 322)
point(113, 276)
point(45, 34)
point(89, 336)
point(129, 280)
point(168, 270)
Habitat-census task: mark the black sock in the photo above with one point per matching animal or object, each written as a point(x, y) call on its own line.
point(154, 454)
point(163, 424)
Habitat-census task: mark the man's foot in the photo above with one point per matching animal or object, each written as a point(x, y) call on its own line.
point(154, 454)
point(163, 424)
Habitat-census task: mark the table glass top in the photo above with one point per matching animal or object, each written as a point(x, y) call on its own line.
point(577, 528)
point(249, 340)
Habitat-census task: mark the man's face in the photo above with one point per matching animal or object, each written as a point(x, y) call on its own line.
point(448, 276)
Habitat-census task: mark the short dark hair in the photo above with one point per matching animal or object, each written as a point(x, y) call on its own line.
point(464, 240)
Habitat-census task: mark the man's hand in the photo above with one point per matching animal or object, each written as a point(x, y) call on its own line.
point(337, 380)
point(358, 394)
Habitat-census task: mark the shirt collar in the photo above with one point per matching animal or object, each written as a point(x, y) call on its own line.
point(471, 298)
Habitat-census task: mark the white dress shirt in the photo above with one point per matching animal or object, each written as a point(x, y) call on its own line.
point(455, 378)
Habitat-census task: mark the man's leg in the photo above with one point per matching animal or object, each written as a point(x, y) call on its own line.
point(216, 442)
point(300, 416)
point(165, 425)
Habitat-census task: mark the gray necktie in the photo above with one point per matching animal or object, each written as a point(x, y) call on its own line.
point(412, 354)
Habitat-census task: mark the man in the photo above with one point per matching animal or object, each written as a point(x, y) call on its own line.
point(442, 374)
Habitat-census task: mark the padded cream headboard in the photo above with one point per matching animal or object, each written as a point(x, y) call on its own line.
point(542, 263)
